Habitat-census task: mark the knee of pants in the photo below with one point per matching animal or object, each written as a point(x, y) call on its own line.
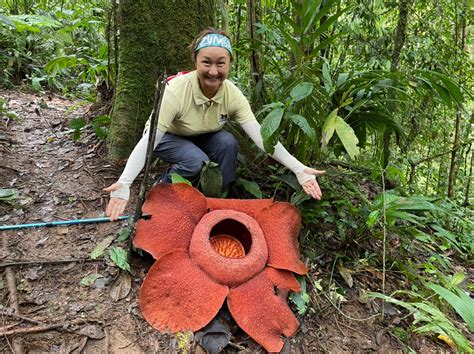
point(190, 168)
point(227, 143)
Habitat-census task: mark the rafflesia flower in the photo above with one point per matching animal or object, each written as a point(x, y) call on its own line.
point(210, 250)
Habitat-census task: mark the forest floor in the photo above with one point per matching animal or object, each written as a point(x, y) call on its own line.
point(70, 303)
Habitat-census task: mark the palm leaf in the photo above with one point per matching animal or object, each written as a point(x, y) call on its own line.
point(462, 303)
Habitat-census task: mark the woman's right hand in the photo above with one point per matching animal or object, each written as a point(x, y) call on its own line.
point(116, 206)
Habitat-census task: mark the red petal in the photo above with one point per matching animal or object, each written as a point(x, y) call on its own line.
point(261, 314)
point(177, 296)
point(248, 206)
point(175, 211)
point(280, 224)
point(283, 279)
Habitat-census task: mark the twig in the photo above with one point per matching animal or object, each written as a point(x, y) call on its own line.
point(355, 330)
point(39, 329)
point(346, 316)
point(9, 312)
point(11, 283)
point(17, 344)
point(21, 263)
point(384, 239)
point(236, 346)
point(10, 168)
point(4, 328)
point(337, 325)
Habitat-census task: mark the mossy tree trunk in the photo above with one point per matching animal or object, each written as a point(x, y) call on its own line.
point(154, 36)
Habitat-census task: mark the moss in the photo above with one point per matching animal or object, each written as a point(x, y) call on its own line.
point(154, 37)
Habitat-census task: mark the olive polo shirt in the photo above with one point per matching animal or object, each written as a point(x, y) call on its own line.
point(186, 111)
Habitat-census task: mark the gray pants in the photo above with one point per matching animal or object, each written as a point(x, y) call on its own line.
point(187, 154)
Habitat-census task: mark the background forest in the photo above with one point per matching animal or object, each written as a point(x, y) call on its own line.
point(378, 93)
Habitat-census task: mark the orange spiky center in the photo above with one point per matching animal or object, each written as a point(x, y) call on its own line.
point(227, 246)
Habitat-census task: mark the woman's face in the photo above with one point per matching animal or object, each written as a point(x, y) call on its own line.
point(212, 66)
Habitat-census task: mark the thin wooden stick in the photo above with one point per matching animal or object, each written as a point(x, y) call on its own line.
point(39, 329)
point(10, 313)
point(22, 263)
point(17, 344)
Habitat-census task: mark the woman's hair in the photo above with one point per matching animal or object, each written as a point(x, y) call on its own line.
point(200, 36)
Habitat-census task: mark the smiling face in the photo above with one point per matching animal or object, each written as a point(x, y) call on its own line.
point(212, 66)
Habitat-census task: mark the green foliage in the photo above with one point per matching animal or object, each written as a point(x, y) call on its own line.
point(8, 195)
point(175, 178)
point(211, 179)
point(98, 124)
point(59, 47)
point(425, 219)
point(5, 112)
point(251, 187)
point(301, 299)
point(101, 246)
point(459, 300)
point(431, 319)
point(120, 257)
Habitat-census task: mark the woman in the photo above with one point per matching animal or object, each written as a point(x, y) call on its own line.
point(194, 109)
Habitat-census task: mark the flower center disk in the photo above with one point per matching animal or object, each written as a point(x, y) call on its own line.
point(228, 246)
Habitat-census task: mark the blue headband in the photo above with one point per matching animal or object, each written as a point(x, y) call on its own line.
point(214, 40)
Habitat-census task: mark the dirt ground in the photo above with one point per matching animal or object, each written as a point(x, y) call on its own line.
point(59, 179)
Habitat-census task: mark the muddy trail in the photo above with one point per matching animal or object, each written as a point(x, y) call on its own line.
point(56, 298)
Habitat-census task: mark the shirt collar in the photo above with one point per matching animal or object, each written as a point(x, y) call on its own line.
point(199, 97)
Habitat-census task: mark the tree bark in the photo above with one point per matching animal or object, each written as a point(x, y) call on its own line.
point(457, 128)
point(469, 180)
point(254, 11)
point(399, 42)
point(153, 37)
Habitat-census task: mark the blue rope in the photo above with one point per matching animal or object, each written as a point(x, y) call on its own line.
point(60, 223)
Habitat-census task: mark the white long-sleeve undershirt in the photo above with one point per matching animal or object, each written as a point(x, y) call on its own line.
point(135, 164)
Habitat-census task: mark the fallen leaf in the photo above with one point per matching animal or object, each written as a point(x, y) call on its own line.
point(389, 309)
point(101, 283)
point(31, 274)
point(121, 287)
point(69, 266)
point(346, 274)
point(62, 230)
point(119, 343)
point(101, 246)
point(74, 347)
point(448, 341)
point(90, 279)
point(92, 331)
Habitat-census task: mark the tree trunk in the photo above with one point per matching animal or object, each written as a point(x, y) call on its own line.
point(454, 165)
point(457, 129)
point(153, 37)
point(254, 10)
point(469, 180)
point(399, 42)
point(237, 38)
point(225, 15)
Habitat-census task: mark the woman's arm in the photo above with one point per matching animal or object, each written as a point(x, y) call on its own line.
point(306, 176)
point(120, 191)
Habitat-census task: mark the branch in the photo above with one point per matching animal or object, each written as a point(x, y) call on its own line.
point(416, 163)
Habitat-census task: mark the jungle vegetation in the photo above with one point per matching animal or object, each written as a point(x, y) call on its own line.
point(378, 92)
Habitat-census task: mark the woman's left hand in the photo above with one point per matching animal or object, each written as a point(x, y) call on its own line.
point(311, 187)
